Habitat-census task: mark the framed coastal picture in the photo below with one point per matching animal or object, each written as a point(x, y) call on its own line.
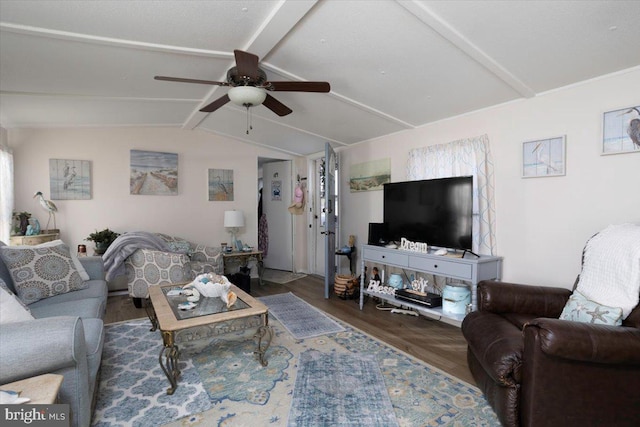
point(621, 131)
point(153, 173)
point(543, 157)
point(369, 176)
point(220, 184)
point(70, 179)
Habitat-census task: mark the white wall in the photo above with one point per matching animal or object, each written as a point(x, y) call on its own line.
point(189, 214)
point(542, 223)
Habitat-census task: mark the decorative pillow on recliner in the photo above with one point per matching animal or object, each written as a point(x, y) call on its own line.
point(580, 309)
point(41, 272)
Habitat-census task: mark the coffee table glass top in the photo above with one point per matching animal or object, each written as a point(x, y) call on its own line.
point(205, 306)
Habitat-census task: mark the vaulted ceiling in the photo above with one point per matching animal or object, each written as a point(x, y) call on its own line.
point(392, 65)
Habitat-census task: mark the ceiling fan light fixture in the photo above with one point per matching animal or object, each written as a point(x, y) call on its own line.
point(247, 96)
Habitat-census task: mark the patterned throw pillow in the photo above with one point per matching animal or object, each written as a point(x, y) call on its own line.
point(11, 308)
point(580, 309)
point(41, 272)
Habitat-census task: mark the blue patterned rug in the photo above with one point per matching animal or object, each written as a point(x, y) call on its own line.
point(339, 389)
point(223, 385)
point(300, 318)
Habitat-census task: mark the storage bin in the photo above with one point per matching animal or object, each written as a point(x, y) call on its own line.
point(455, 297)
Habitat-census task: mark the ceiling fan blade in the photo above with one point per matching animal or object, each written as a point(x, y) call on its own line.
point(299, 86)
point(215, 104)
point(247, 64)
point(182, 80)
point(276, 106)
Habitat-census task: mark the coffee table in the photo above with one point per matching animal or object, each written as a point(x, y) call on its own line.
point(209, 318)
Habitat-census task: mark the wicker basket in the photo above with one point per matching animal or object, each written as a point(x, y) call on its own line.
point(345, 286)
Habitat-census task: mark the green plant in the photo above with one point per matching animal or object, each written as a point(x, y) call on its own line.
point(105, 236)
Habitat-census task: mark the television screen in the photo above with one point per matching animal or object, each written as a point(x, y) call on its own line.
point(438, 212)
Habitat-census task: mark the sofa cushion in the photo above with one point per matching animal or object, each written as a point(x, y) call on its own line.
point(11, 308)
point(87, 309)
point(41, 272)
point(581, 309)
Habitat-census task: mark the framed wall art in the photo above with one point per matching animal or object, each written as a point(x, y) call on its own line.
point(220, 185)
point(70, 179)
point(153, 173)
point(369, 176)
point(544, 157)
point(621, 131)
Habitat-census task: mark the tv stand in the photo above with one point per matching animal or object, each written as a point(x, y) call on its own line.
point(484, 267)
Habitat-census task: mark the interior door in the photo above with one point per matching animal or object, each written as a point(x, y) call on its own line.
point(329, 178)
point(276, 198)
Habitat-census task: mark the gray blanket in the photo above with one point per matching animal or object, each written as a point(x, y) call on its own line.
point(127, 244)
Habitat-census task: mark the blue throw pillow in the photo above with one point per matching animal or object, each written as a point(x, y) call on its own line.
point(580, 309)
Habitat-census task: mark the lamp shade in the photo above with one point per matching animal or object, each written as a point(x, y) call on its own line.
point(233, 219)
point(247, 96)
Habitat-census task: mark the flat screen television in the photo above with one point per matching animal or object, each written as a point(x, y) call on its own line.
point(438, 212)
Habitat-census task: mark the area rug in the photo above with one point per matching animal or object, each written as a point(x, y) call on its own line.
point(300, 318)
point(240, 392)
point(280, 276)
point(340, 389)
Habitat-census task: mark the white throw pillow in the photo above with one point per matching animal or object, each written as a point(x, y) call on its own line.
point(11, 308)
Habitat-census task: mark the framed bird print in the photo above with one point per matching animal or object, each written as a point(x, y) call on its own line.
point(543, 157)
point(621, 131)
point(70, 179)
point(220, 185)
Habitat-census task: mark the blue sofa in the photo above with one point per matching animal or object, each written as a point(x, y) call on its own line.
point(66, 337)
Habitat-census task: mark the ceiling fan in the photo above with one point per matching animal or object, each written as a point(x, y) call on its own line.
point(249, 86)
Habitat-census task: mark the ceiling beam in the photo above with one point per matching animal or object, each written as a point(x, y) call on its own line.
point(440, 26)
point(282, 19)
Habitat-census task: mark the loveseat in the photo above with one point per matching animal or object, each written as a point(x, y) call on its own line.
point(546, 356)
point(152, 259)
point(60, 334)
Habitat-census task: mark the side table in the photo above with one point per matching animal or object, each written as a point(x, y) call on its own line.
point(42, 389)
point(243, 259)
point(33, 240)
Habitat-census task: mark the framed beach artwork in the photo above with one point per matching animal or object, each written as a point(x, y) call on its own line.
point(70, 179)
point(220, 185)
point(369, 176)
point(621, 131)
point(543, 157)
point(153, 173)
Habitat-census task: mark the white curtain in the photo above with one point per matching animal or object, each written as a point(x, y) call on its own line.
point(6, 191)
point(463, 158)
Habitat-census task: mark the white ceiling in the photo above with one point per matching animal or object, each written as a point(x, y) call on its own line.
point(392, 65)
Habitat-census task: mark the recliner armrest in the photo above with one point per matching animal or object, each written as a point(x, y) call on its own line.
point(585, 342)
point(501, 297)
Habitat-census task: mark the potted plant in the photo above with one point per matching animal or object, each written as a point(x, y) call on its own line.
point(102, 239)
point(23, 222)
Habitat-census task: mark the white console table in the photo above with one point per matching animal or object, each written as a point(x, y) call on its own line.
point(470, 269)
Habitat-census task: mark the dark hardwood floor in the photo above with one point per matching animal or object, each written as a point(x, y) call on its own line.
point(434, 342)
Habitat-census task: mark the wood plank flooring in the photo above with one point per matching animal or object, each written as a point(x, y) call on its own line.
point(434, 342)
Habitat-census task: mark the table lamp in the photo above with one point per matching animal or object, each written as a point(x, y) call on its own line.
point(233, 220)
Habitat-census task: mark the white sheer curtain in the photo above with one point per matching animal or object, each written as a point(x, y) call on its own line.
point(462, 158)
point(6, 191)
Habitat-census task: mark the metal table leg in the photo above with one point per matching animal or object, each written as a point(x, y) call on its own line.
point(263, 331)
point(168, 359)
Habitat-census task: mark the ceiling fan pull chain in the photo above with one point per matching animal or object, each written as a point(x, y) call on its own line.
point(248, 120)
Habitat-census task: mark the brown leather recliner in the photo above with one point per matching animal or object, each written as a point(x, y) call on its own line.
point(537, 370)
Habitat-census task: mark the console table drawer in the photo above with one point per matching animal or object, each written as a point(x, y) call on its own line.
point(442, 267)
point(386, 257)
